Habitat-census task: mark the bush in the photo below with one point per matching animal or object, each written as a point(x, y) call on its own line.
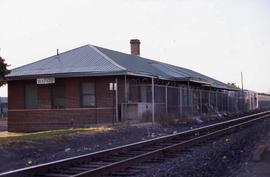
point(167, 120)
point(185, 118)
point(147, 116)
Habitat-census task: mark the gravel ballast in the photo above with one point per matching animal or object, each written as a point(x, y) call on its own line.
point(219, 158)
point(28, 153)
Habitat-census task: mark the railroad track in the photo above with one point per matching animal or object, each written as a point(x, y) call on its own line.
point(126, 160)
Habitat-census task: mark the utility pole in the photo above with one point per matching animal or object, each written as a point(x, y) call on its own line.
point(242, 82)
point(242, 97)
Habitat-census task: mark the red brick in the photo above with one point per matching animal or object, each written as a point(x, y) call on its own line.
point(45, 118)
point(44, 96)
point(15, 95)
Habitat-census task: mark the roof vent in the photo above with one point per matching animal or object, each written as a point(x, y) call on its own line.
point(135, 47)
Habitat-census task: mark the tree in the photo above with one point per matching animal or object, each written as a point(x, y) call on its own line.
point(232, 84)
point(3, 71)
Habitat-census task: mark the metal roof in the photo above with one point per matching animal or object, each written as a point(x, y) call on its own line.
point(85, 59)
point(139, 65)
point(91, 60)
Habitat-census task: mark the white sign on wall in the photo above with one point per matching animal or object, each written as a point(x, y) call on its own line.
point(113, 86)
point(49, 80)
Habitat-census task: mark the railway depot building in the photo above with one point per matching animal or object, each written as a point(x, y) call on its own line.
point(91, 85)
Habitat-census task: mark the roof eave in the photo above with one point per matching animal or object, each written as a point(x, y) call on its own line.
point(65, 75)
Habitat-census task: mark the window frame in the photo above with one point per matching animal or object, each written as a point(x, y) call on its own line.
point(25, 104)
point(82, 94)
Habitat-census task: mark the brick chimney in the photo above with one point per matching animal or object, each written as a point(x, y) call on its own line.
point(135, 47)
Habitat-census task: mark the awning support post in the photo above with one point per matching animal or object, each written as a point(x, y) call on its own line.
point(166, 99)
point(153, 101)
point(116, 100)
point(125, 112)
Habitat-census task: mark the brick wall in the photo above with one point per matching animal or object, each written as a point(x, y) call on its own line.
point(38, 120)
point(44, 96)
point(73, 93)
point(45, 118)
point(15, 95)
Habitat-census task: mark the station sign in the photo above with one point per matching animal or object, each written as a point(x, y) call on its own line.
point(48, 80)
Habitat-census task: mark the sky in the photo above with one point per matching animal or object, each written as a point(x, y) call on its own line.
point(218, 38)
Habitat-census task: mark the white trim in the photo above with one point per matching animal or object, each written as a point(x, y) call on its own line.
point(137, 74)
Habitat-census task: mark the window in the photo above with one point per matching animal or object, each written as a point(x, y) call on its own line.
point(30, 96)
point(88, 94)
point(58, 95)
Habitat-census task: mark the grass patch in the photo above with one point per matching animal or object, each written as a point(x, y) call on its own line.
point(9, 137)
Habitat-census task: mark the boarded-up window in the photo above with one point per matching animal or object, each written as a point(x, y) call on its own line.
point(58, 95)
point(88, 94)
point(30, 96)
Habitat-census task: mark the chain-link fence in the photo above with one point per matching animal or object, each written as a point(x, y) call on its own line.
point(264, 101)
point(183, 102)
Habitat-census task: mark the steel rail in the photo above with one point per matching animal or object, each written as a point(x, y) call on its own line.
point(181, 140)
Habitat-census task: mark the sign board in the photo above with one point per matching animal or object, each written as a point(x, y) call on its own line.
point(113, 86)
point(49, 80)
